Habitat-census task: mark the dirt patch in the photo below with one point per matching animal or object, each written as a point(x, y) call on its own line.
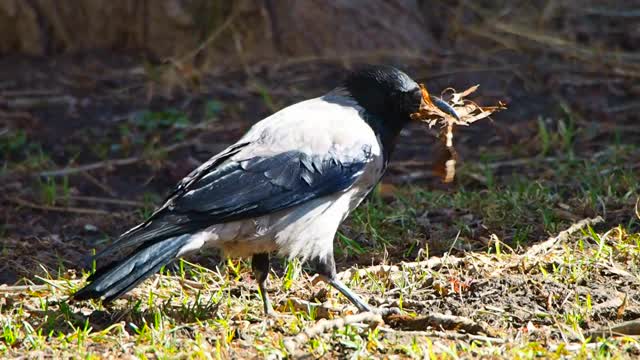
point(487, 301)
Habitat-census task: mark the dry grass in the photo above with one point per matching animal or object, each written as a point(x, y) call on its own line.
point(495, 288)
point(546, 306)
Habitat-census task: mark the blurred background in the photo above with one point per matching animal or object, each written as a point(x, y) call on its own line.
point(106, 104)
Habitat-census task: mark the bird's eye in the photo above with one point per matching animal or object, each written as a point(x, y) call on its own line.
point(417, 95)
point(415, 99)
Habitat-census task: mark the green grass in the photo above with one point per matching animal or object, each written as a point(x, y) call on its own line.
point(545, 312)
point(18, 153)
point(53, 191)
point(542, 307)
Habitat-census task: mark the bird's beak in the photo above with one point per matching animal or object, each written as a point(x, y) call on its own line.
point(438, 102)
point(444, 106)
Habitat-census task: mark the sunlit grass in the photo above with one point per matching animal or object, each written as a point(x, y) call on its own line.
point(544, 309)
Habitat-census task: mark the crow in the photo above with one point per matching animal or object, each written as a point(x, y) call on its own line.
point(284, 187)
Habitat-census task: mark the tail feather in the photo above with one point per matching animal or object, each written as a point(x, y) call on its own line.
point(163, 227)
point(121, 276)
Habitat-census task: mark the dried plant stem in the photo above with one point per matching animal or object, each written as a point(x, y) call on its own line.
point(562, 236)
point(627, 328)
point(434, 263)
point(444, 335)
point(115, 162)
point(22, 288)
point(322, 326)
point(74, 210)
point(437, 321)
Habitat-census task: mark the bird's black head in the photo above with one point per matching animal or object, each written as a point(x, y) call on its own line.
point(385, 91)
point(389, 97)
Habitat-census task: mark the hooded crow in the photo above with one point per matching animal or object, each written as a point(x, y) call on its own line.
point(284, 187)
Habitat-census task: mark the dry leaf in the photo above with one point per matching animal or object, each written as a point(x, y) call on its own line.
point(620, 310)
point(468, 112)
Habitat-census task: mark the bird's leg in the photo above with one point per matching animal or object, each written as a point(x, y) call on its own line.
point(326, 268)
point(260, 266)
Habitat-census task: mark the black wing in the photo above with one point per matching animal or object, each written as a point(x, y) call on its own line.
point(241, 189)
point(260, 186)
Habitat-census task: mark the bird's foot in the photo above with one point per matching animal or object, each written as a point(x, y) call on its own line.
point(275, 318)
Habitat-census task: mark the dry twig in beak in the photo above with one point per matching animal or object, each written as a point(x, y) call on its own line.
point(468, 112)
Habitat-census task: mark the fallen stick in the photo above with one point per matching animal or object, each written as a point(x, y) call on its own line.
point(74, 210)
point(104, 187)
point(434, 263)
point(293, 342)
point(115, 162)
point(95, 199)
point(48, 284)
point(627, 328)
point(28, 103)
point(562, 236)
point(444, 335)
point(436, 321)
point(5, 289)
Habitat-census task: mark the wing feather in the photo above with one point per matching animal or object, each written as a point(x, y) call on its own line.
point(303, 152)
point(232, 189)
